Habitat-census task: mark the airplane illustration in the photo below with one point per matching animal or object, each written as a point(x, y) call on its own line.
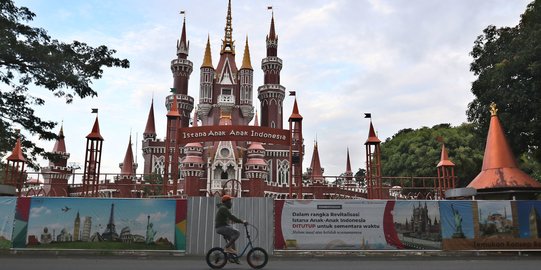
point(65, 209)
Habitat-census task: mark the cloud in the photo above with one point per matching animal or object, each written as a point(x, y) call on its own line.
point(36, 212)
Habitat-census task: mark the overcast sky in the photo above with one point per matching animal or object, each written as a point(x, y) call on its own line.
point(404, 61)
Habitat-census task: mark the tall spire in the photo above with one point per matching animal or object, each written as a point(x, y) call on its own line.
point(207, 59)
point(127, 165)
point(228, 45)
point(315, 166)
point(272, 32)
point(183, 45)
point(150, 128)
point(348, 163)
point(17, 153)
point(246, 63)
point(60, 145)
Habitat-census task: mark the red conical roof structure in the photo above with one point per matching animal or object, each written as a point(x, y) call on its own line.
point(127, 165)
point(150, 128)
point(315, 165)
point(60, 144)
point(499, 166)
point(444, 160)
point(372, 137)
point(295, 114)
point(95, 133)
point(17, 153)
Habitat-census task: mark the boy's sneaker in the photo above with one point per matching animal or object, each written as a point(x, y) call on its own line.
point(230, 250)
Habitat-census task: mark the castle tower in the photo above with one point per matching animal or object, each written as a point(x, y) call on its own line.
point(500, 176)
point(193, 166)
point(127, 177)
point(172, 149)
point(271, 94)
point(373, 165)
point(181, 68)
point(296, 152)
point(91, 174)
point(57, 174)
point(150, 145)
point(446, 173)
point(15, 168)
point(206, 85)
point(226, 89)
point(255, 168)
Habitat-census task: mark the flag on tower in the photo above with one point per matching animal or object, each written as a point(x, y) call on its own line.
point(368, 115)
point(173, 90)
point(292, 93)
point(94, 110)
point(269, 7)
point(182, 12)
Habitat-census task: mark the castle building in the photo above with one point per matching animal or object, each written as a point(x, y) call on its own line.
point(226, 94)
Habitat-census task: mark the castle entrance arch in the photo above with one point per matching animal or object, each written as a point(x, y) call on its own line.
point(234, 133)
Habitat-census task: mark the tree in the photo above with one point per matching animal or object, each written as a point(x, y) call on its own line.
point(360, 176)
point(29, 56)
point(417, 152)
point(507, 63)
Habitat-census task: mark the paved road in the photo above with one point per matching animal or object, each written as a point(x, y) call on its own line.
point(16, 262)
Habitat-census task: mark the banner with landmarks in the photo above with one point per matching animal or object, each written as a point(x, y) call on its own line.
point(491, 225)
point(356, 224)
point(94, 223)
point(7, 208)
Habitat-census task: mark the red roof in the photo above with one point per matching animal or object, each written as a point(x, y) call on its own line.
point(150, 128)
point(17, 153)
point(127, 165)
point(372, 138)
point(499, 166)
point(444, 160)
point(95, 133)
point(295, 114)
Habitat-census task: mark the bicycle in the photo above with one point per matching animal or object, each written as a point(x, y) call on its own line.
point(256, 257)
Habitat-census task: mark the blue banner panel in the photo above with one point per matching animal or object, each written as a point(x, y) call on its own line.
point(457, 224)
point(7, 216)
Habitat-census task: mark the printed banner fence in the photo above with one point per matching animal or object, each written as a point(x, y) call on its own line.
point(356, 225)
point(96, 223)
point(7, 210)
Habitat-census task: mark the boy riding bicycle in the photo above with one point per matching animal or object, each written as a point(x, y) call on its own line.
point(222, 220)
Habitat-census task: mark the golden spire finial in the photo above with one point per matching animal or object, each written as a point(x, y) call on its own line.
point(207, 59)
point(493, 109)
point(246, 63)
point(228, 45)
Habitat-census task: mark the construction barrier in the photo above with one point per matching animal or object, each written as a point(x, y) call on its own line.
point(188, 225)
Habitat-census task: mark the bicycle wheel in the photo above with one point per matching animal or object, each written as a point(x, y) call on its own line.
point(216, 258)
point(257, 258)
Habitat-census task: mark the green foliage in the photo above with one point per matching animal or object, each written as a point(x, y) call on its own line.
point(507, 62)
point(417, 152)
point(28, 56)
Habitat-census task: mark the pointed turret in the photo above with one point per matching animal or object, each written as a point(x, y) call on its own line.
point(207, 58)
point(17, 153)
point(295, 114)
point(348, 174)
point(499, 166)
point(228, 45)
point(173, 110)
point(150, 128)
point(316, 172)
point(444, 160)
point(246, 63)
point(183, 45)
point(272, 33)
point(60, 145)
point(127, 167)
point(372, 137)
point(95, 133)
